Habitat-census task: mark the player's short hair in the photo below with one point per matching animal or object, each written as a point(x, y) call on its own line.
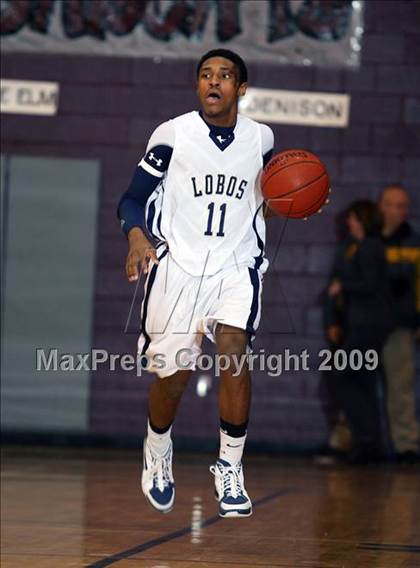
point(227, 54)
point(368, 214)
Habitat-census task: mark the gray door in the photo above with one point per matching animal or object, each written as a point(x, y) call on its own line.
point(49, 229)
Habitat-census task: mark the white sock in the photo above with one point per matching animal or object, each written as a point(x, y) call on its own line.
point(231, 449)
point(158, 443)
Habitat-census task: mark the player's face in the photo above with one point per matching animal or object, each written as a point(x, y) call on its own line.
point(394, 206)
point(218, 89)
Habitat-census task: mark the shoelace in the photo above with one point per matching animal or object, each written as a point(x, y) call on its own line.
point(161, 469)
point(232, 486)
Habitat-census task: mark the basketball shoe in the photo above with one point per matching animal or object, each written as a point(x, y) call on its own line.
point(233, 499)
point(157, 481)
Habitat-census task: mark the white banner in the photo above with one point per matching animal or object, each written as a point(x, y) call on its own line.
point(29, 97)
point(296, 107)
point(298, 32)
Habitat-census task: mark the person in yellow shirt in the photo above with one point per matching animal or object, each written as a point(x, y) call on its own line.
point(403, 258)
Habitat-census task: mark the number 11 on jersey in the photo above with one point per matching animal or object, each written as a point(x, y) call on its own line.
point(220, 232)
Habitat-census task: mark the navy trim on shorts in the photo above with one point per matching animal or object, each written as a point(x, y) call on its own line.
point(149, 285)
point(255, 281)
point(260, 258)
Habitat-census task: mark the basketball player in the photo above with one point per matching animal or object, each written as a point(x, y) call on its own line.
point(195, 195)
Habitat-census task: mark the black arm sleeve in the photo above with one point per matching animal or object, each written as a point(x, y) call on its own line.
point(132, 205)
point(146, 178)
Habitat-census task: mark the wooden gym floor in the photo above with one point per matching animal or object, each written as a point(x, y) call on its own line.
point(73, 508)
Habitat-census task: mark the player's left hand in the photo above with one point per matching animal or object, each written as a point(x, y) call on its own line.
point(140, 253)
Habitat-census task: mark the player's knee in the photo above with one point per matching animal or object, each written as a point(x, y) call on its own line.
point(231, 340)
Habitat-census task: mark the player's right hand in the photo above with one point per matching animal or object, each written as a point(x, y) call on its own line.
point(140, 254)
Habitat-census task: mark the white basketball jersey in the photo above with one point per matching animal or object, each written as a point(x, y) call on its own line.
point(208, 207)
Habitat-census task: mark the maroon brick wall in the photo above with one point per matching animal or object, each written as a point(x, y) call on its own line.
point(109, 107)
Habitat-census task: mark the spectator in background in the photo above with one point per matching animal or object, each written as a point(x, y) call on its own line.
point(339, 440)
point(403, 258)
point(358, 318)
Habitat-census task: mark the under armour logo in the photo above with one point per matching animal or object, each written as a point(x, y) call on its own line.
point(220, 139)
point(158, 161)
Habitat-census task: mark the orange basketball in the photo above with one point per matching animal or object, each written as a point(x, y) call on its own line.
point(295, 184)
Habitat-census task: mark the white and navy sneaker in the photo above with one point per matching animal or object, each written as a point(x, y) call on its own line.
point(157, 481)
point(233, 499)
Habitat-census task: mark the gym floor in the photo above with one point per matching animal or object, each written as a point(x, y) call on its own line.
point(69, 507)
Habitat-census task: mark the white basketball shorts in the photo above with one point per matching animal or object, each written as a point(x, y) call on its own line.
point(178, 310)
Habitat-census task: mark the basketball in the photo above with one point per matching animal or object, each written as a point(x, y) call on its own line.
point(295, 184)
